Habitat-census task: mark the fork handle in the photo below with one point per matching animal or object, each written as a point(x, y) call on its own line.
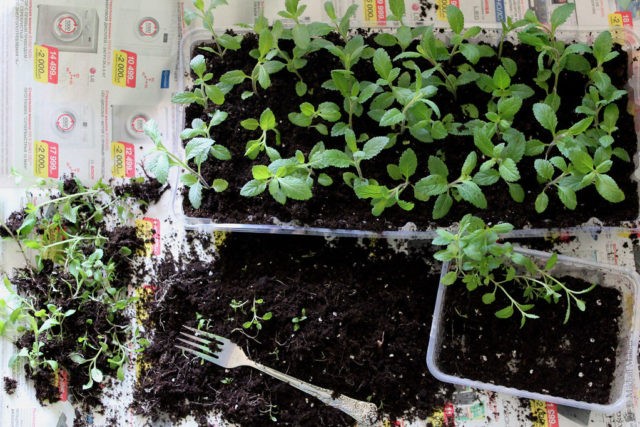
point(365, 413)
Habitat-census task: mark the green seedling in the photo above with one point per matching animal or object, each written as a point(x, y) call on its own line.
point(197, 150)
point(203, 92)
point(67, 232)
point(437, 184)
point(327, 111)
point(266, 123)
point(577, 167)
point(256, 318)
point(205, 12)
point(383, 197)
point(343, 24)
point(299, 319)
point(555, 55)
point(480, 262)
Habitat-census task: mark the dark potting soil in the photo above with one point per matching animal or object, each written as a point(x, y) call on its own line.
point(337, 207)
point(574, 360)
point(368, 314)
point(92, 318)
point(10, 385)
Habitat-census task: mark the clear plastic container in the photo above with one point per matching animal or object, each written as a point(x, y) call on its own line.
point(625, 280)
point(408, 231)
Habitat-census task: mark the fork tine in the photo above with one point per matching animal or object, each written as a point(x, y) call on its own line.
point(207, 334)
point(200, 354)
point(196, 338)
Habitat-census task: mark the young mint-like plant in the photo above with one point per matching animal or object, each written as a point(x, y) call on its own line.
point(205, 12)
point(328, 111)
point(383, 197)
point(203, 91)
point(197, 150)
point(437, 184)
point(478, 261)
point(266, 123)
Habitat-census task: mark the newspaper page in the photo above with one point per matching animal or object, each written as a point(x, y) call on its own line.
point(83, 77)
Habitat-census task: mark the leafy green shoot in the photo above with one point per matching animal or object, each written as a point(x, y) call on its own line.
point(479, 261)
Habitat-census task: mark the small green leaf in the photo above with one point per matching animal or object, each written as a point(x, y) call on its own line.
point(233, 77)
point(431, 185)
point(542, 201)
point(260, 172)
point(391, 117)
point(198, 149)
point(188, 179)
point(608, 189)
point(505, 313)
point(158, 166)
point(215, 94)
point(77, 358)
point(509, 170)
point(301, 88)
point(469, 163)
point(324, 180)
point(300, 119)
point(250, 124)
point(602, 45)
point(369, 191)
point(516, 192)
point(228, 41)
point(470, 192)
point(437, 166)
point(301, 36)
point(329, 111)
point(253, 188)
point(219, 185)
point(220, 152)
point(508, 107)
point(374, 146)
point(567, 196)
point(382, 63)
point(195, 195)
point(185, 98)
point(449, 278)
point(581, 161)
point(267, 120)
point(560, 15)
point(336, 158)
point(545, 115)
point(442, 206)
point(501, 78)
point(295, 188)
point(534, 147)
point(408, 162)
point(198, 65)
point(385, 39)
point(455, 19)
point(470, 52)
point(488, 298)
point(397, 8)
point(580, 126)
point(96, 375)
point(544, 168)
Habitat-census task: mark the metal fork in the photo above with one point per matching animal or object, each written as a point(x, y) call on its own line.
point(230, 355)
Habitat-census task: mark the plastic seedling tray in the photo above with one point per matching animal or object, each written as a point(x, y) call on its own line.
point(626, 281)
point(409, 230)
